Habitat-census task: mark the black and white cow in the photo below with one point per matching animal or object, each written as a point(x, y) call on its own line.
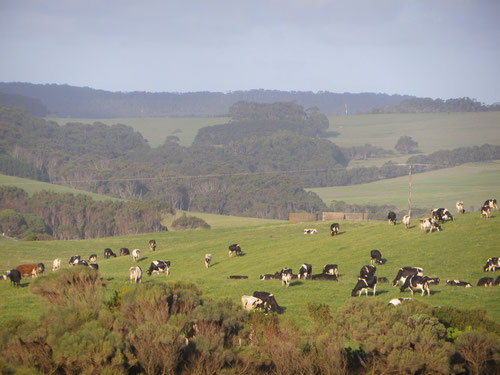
point(405, 272)
point(416, 282)
point(429, 224)
point(334, 229)
point(324, 276)
point(94, 266)
point(458, 283)
point(286, 276)
point(159, 266)
point(364, 284)
point(269, 276)
point(434, 280)
point(491, 203)
point(367, 271)
point(81, 262)
point(485, 281)
point(441, 215)
point(93, 258)
point(74, 260)
point(136, 253)
point(124, 251)
point(398, 301)
point(331, 269)
point(237, 277)
point(152, 245)
point(492, 264)
point(208, 259)
point(391, 217)
point(109, 253)
point(268, 300)
point(376, 257)
point(14, 276)
point(460, 207)
point(310, 231)
point(485, 211)
point(234, 249)
point(406, 221)
point(305, 271)
point(252, 303)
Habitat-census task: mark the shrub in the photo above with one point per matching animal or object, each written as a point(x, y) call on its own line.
point(189, 222)
point(481, 352)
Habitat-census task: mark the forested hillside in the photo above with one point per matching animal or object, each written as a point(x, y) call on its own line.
point(257, 164)
point(84, 102)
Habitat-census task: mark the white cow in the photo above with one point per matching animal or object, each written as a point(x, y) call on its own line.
point(56, 264)
point(136, 254)
point(135, 274)
point(251, 303)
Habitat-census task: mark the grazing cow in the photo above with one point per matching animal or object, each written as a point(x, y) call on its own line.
point(305, 271)
point(251, 303)
point(234, 249)
point(81, 262)
point(94, 266)
point(376, 257)
point(152, 245)
point(109, 253)
point(93, 258)
point(434, 280)
point(491, 203)
point(497, 281)
point(124, 251)
point(135, 274)
point(391, 217)
point(492, 264)
point(269, 276)
point(14, 276)
point(382, 280)
point(485, 211)
point(56, 264)
point(406, 221)
point(429, 224)
point(367, 271)
point(458, 283)
point(208, 259)
point(237, 277)
point(30, 269)
point(485, 281)
point(334, 229)
point(441, 215)
point(331, 269)
point(286, 276)
point(159, 266)
point(310, 231)
point(398, 301)
point(364, 284)
point(268, 300)
point(324, 276)
point(74, 260)
point(416, 282)
point(405, 272)
point(460, 207)
point(136, 253)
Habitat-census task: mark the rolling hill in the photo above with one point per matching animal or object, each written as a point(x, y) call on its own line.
point(458, 252)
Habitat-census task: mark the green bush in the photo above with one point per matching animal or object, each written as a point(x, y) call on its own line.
point(189, 222)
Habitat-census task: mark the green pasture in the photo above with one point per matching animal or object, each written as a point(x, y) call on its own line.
point(32, 186)
point(458, 252)
point(471, 183)
point(156, 129)
point(432, 131)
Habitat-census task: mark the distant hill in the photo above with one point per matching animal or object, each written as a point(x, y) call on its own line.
point(30, 105)
point(85, 102)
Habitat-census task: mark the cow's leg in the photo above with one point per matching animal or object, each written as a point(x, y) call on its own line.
point(374, 289)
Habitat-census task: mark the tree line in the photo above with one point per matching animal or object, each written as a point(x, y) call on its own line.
point(65, 216)
point(171, 328)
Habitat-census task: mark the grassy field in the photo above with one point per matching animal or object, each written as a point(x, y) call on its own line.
point(32, 186)
point(432, 131)
point(472, 183)
point(156, 129)
point(458, 252)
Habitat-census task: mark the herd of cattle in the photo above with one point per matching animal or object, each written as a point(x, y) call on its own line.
point(411, 278)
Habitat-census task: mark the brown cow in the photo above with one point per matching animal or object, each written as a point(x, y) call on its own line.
point(30, 269)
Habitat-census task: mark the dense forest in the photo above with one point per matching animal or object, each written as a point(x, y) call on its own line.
point(428, 105)
point(171, 328)
point(220, 173)
point(48, 215)
point(84, 102)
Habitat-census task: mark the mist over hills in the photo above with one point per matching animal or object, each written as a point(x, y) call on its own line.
point(85, 102)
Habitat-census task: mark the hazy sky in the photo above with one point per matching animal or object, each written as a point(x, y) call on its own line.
point(431, 48)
